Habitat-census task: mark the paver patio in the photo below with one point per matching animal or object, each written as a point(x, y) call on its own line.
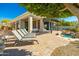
point(47, 43)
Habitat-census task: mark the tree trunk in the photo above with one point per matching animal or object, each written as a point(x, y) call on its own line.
point(73, 9)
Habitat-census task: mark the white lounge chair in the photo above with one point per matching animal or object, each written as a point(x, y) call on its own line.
point(21, 39)
point(23, 31)
point(27, 34)
point(2, 46)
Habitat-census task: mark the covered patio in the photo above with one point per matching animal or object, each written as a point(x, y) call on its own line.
point(29, 21)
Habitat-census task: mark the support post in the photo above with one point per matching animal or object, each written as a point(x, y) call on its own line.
point(30, 24)
point(41, 25)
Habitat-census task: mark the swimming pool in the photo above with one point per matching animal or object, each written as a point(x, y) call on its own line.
point(68, 36)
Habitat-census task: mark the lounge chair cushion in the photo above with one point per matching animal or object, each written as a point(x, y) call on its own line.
point(27, 39)
point(31, 35)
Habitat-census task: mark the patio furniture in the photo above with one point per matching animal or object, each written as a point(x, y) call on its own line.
point(22, 39)
point(2, 46)
point(27, 34)
point(23, 31)
point(26, 31)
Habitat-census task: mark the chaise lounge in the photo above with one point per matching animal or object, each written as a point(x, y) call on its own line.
point(31, 35)
point(23, 39)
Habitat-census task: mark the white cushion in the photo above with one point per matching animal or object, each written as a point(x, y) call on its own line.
point(17, 34)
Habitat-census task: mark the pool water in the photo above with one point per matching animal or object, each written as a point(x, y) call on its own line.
point(68, 36)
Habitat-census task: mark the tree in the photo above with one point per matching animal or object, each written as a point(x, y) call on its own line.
point(66, 23)
point(73, 8)
point(50, 10)
point(5, 21)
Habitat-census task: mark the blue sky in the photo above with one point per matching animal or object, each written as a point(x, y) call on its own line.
point(12, 10)
point(71, 19)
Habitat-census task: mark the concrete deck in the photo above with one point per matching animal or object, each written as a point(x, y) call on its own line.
point(47, 43)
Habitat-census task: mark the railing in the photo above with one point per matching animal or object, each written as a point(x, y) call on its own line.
point(61, 27)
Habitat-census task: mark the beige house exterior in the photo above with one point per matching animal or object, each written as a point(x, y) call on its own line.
point(29, 21)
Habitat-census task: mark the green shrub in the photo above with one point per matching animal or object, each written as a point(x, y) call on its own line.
point(75, 29)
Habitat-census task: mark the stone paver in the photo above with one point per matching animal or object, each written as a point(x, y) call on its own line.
point(47, 43)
